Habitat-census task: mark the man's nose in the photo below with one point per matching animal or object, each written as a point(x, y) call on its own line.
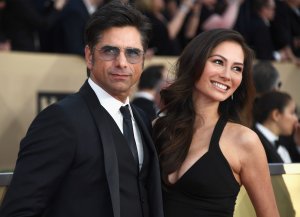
point(122, 60)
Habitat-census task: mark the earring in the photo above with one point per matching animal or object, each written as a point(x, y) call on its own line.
point(232, 97)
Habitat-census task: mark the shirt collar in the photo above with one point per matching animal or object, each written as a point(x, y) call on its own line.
point(111, 104)
point(267, 133)
point(144, 94)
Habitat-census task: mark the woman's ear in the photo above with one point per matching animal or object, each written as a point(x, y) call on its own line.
point(275, 115)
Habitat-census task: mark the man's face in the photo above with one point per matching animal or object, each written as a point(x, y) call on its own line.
point(116, 62)
point(270, 10)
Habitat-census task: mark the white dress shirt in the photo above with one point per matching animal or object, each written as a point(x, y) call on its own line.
point(271, 137)
point(112, 106)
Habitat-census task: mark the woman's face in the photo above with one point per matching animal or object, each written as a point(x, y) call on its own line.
point(222, 73)
point(287, 119)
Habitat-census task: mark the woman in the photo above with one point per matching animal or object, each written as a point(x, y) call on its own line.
point(164, 39)
point(275, 115)
point(205, 154)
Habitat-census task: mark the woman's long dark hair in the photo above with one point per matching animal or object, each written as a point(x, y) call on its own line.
point(173, 132)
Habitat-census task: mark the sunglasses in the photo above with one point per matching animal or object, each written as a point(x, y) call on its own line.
point(109, 53)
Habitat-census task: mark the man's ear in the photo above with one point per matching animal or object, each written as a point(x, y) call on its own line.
point(88, 57)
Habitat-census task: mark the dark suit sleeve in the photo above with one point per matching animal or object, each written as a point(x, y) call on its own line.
point(44, 158)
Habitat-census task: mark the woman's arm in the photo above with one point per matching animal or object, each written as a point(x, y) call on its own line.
point(227, 19)
point(177, 21)
point(255, 176)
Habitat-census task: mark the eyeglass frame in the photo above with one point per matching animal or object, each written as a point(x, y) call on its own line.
point(126, 51)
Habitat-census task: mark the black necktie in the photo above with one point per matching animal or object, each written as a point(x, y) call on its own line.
point(128, 131)
point(277, 144)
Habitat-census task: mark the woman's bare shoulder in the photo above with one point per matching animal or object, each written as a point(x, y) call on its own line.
point(245, 138)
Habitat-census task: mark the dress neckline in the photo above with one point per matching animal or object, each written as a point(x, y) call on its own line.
point(217, 131)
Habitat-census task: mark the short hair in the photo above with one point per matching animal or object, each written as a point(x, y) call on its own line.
point(268, 102)
point(116, 14)
point(151, 77)
point(265, 76)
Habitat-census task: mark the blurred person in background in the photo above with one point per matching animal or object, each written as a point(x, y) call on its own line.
point(286, 28)
point(164, 39)
point(4, 42)
point(148, 88)
point(263, 33)
point(266, 77)
point(206, 15)
point(68, 33)
point(22, 21)
point(259, 35)
point(218, 14)
point(275, 115)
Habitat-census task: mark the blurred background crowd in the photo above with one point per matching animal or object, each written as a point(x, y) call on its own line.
point(270, 27)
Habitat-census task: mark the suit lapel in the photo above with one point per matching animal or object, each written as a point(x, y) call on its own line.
point(143, 128)
point(154, 180)
point(110, 158)
point(271, 152)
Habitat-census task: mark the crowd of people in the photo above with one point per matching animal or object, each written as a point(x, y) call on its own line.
point(96, 153)
point(271, 27)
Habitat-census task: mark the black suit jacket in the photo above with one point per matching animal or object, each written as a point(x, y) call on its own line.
point(259, 38)
point(148, 106)
point(291, 146)
point(67, 164)
point(22, 20)
point(69, 33)
point(271, 152)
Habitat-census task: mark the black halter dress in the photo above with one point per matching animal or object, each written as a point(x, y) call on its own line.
point(208, 188)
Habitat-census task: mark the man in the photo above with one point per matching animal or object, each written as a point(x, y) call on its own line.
point(74, 160)
point(148, 89)
point(68, 33)
point(266, 77)
point(259, 35)
point(286, 28)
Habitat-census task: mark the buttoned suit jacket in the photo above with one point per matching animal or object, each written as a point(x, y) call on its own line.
point(67, 163)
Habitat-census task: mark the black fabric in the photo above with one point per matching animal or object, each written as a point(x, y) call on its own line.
point(133, 193)
point(207, 189)
point(271, 151)
point(285, 26)
point(148, 106)
point(68, 164)
point(128, 132)
point(260, 38)
point(289, 143)
point(160, 40)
